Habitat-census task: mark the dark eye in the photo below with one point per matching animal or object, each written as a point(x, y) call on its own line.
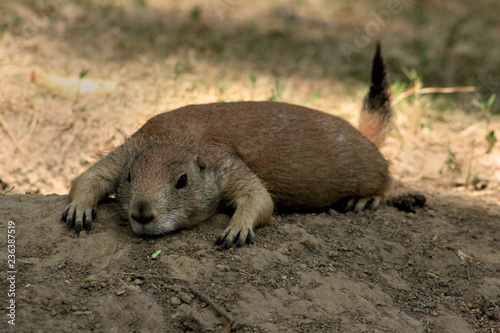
point(129, 177)
point(182, 182)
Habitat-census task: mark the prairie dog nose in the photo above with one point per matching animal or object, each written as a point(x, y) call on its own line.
point(142, 212)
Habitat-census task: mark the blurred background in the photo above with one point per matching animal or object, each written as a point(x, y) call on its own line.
point(77, 77)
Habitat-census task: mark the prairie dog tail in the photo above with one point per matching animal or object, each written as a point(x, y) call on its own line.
point(376, 112)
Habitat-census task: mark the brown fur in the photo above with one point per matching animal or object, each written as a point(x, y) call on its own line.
point(251, 156)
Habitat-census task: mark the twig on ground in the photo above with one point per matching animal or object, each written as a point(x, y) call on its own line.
point(434, 275)
point(420, 91)
point(33, 124)
point(156, 276)
point(3, 123)
point(466, 260)
point(215, 306)
point(156, 287)
point(226, 328)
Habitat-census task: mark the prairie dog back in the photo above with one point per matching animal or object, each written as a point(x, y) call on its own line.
point(307, 159)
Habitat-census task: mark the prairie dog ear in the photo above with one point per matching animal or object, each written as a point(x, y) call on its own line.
point(201, 162)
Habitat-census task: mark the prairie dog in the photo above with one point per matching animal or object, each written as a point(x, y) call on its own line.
point(181, 166)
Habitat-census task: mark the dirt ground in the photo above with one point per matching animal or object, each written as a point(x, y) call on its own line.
point(436, 269)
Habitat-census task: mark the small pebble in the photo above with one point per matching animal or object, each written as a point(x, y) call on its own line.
point(185, 297)
point(175, 301)
point(83, 313)
point(120, 292)
point(138, 282)
point(222, 268)
point(333, 254)
point(332, 212)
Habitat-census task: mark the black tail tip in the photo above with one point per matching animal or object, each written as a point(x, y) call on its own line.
point(378, 98)
point(378, 49)
point(378, 70)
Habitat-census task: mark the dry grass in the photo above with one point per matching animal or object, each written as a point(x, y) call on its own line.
point(167, 54)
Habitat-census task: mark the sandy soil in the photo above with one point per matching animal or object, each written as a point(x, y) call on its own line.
point(433, 270)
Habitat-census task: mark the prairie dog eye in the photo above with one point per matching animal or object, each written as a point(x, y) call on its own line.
point(182, 182)
point(129, 177)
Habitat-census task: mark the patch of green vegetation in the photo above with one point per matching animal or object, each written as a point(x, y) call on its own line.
point(141, 3)
point(196, 12)
point(451, 164)
point(486, 107)
point(277, 91)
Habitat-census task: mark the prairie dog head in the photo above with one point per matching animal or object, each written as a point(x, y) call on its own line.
point(163, 189)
